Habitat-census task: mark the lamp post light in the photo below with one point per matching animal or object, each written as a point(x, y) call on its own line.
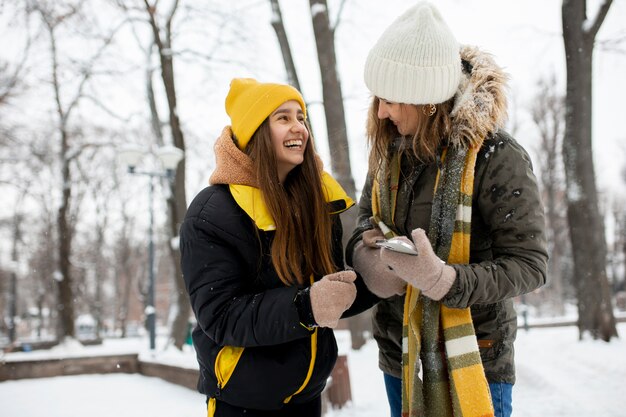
point(169, 156)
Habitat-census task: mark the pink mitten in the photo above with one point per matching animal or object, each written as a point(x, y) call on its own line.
point(375, 273)
point(331, 296)
point(370, 237)
point(424, 271)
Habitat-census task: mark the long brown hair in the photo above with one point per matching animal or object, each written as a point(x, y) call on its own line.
point(431, 131)
point(302, 241)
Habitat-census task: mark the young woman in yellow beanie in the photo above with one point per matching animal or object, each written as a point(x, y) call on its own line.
point(263, 261)
point(445, 177)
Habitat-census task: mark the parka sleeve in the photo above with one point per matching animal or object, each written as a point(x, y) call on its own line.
point(364, 299)
point(218, 282)
point(513, 245)
point(363, 224)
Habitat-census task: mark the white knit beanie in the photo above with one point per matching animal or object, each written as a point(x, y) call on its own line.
point(416, 60)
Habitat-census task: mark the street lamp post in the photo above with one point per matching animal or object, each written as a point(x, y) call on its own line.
point(169, 156)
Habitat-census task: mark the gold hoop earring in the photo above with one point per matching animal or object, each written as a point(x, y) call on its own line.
point(429, 109)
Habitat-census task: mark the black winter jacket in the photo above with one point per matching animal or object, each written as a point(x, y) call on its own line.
point(239, 301)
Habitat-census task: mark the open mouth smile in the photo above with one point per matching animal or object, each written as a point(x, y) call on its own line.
point(293, 144)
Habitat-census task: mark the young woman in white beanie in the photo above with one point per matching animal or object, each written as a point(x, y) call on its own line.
point(262, 261)
point(445, 178)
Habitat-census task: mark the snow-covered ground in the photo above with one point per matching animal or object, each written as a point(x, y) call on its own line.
point(557, 376)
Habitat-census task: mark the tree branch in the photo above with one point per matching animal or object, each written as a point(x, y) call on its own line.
point(338, 17)
point(599, 19)
point(168, 24)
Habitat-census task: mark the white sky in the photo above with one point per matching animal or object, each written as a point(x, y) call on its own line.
point(556, 376)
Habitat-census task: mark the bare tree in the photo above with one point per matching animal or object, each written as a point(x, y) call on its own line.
point(622, 236)
point(595, 314)
point(8, 82)
point(333, 103)
point(548, 114)
point(10, 79)
point(177, 203)
point(102, 196)
point(617, 251)
point(167, 22)
point(617, 255)
point(126, 270)
point(24, 171)
point(337, 132)
point(283, 41)
point(55, 18)
point(42, 265)
point(285, 49)
point(10, 290)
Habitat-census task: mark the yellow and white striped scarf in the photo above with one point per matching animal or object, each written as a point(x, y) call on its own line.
point(454, 382)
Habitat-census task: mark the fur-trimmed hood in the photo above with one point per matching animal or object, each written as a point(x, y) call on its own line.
point(480, 105)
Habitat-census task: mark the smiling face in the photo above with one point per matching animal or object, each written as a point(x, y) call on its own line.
point(404, 116)
point(289, 137)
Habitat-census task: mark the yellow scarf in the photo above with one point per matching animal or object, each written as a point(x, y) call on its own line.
point(454, 382)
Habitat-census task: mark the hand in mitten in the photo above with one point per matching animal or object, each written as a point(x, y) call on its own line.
point(424, 271)
point(378, 278)
point(331, 296)
point(370, 237)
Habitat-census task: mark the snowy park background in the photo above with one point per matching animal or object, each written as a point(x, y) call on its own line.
point(557, 376)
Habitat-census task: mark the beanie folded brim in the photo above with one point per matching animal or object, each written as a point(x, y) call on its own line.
point(401, 83)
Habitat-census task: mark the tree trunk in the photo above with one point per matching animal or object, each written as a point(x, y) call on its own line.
point(332, 96)
point(285, 49)
point(177, 204)
point(100, 275)
point(595, 313)
point(64, 277)
point(336, 127)
point(333, 106)
point(67, 156)
point(548, 113)
point(13, 294)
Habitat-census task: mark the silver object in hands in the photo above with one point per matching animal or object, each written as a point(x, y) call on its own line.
point(398, 245)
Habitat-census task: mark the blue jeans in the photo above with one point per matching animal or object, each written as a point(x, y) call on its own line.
point(502, 398)
point(501, 395)
point(393, 386)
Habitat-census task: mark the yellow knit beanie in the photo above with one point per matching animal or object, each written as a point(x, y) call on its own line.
point(250, 102)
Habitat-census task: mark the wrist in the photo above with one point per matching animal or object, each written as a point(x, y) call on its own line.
point(302, 302)
point(443, 284)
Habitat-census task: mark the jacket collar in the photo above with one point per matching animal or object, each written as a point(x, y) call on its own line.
point(251, 201)
point(233, 167)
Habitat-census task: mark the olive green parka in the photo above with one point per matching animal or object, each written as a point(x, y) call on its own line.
point(508, 253)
